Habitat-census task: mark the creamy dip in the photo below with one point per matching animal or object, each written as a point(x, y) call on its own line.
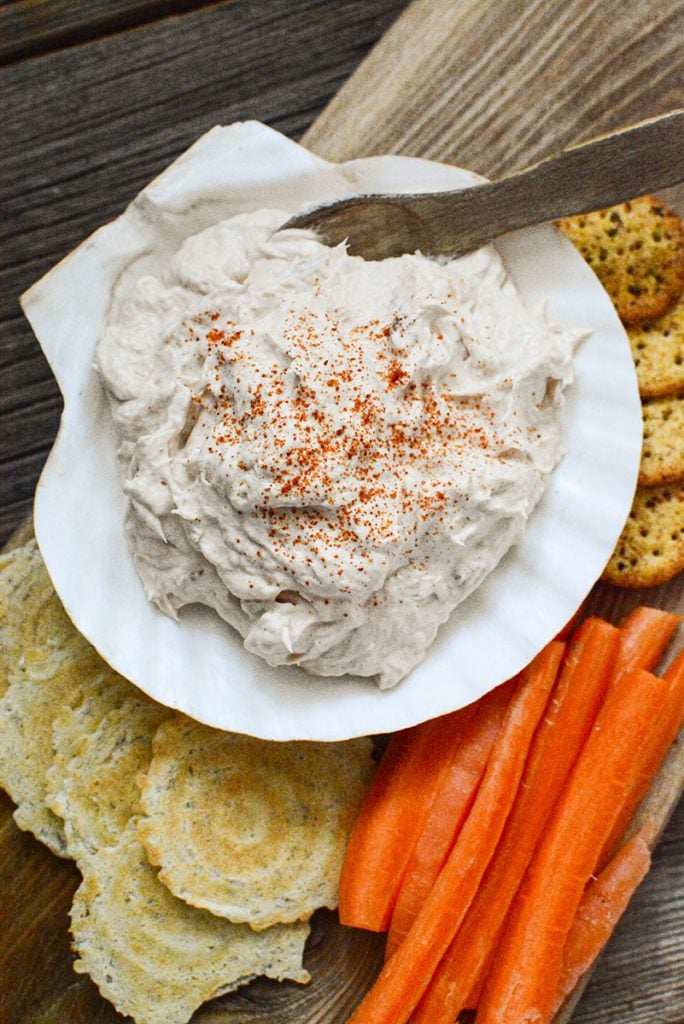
point(331, 453)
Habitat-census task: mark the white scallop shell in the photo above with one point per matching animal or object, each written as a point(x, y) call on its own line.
point(199, 664)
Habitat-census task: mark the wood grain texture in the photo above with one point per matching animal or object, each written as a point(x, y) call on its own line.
point(500, 84)
point(493, 85)
point(29, 29)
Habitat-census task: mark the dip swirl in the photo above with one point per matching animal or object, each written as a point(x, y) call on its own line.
point(329, 452)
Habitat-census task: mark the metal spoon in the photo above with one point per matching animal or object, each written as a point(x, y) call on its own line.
point(610, 169)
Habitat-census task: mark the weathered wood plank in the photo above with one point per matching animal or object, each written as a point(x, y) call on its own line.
point(497, 85)
point(35, 936)
point(639, 977)
point(29, 29)
point(18, 510)
point(33, 416)
point(85, 128)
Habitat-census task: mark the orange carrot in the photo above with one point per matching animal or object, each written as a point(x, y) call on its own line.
point(448, 812)
point(524, 978)
point(393, 816)
point(575, 702)
point(604, 902)
point(404, 977)
point(645, 633)
point(664, 731)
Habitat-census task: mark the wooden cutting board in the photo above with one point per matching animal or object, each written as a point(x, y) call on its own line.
point(491, 85)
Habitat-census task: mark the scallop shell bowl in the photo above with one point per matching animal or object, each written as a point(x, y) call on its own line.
point(198, 664)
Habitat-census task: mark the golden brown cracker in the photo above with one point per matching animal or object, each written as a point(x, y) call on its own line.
point(650, 550)
point(636, 250)
point(6, 563)
point(104, 692)
point(36, 635)
point(98, 792)
point(662, 454)
point(157, 959)
point(658, 353)
point(48, 667)
point(252, 830)
point(27, 712)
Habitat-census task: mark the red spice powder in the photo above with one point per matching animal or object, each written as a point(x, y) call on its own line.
point(339, 415)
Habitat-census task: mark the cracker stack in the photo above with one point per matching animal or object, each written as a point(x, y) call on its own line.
point(250, 834)
point(637, 251)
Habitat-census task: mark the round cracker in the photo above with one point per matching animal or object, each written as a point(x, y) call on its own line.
point(49, 667)
point(252, 830)
point(36, 635)
point(658, 353)
point(102, 694)
point(662, 454)
point(27, 713)
point(636, 250)
point(99, 794)
point(650, 550)
point(157, 959)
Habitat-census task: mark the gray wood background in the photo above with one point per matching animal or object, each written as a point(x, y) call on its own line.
point(97, 97)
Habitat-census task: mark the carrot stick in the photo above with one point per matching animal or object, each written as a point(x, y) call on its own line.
point(449, 809)
point(524, 978)
point(645, 633)
point(575, 701)
point(664, 731)
point(393, 816)
point(403, 978)
point(604, 902)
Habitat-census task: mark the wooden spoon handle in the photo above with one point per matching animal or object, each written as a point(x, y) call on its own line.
point(604, 171)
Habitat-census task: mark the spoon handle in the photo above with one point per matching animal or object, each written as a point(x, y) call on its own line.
point(602, 172)
point(610, 169)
